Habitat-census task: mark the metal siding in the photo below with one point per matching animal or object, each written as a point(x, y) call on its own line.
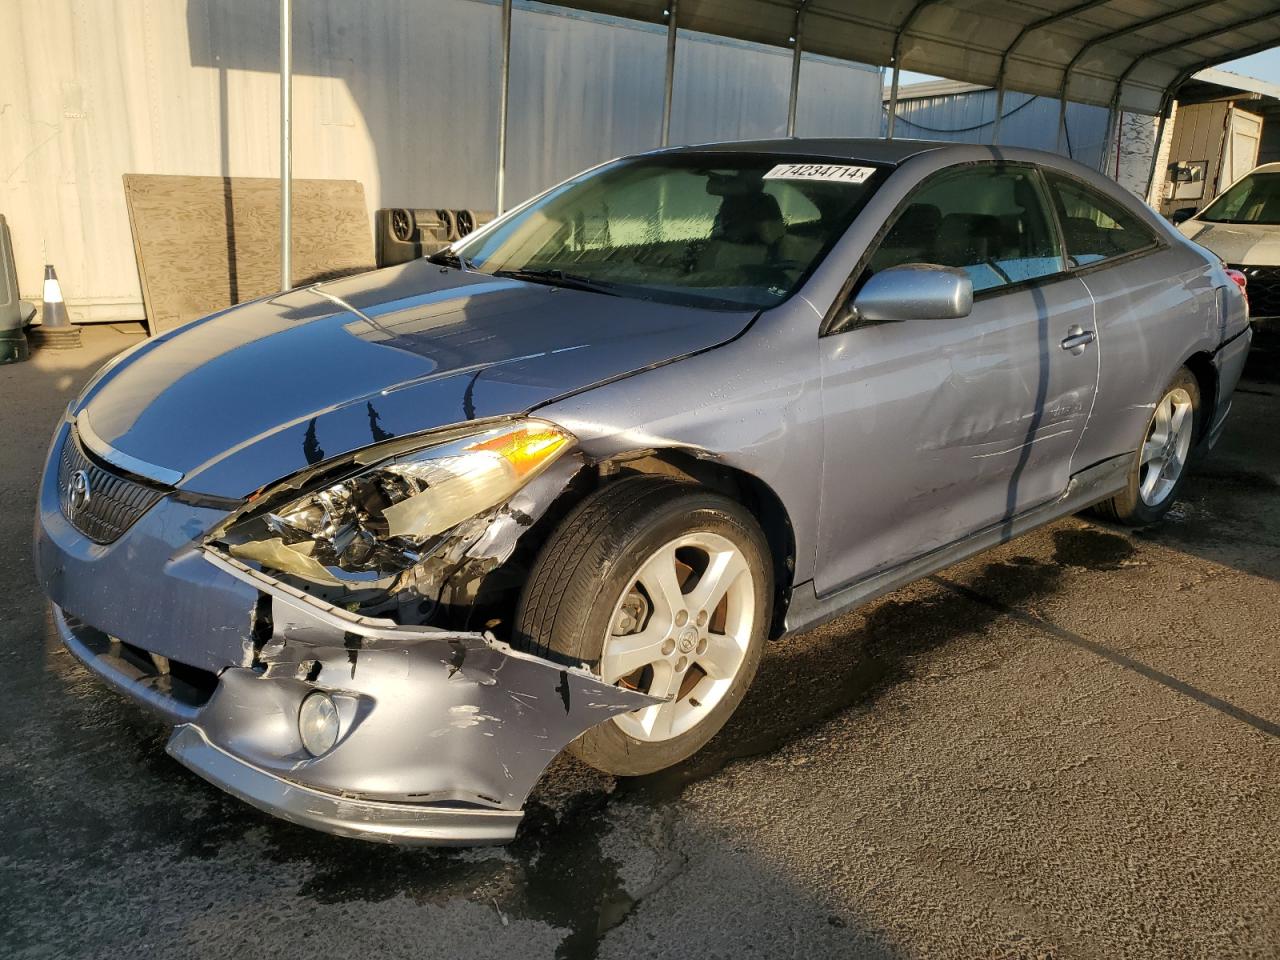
point(967, 40)
point(581, 92)
point(837, 101)
point(1028, 121)
point(401, 95)
point(728, 91)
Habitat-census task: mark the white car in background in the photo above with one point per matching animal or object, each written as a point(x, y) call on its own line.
point(1242, 226)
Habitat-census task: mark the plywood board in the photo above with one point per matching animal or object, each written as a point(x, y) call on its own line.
point(206, 243)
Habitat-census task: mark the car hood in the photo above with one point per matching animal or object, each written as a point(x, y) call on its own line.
point(247, 397)
point(1237, 243)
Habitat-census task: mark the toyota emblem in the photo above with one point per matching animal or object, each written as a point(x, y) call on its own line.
point(78, 493)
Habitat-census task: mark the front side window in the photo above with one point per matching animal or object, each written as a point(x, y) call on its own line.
point(1095, 227)
point(703, 229)
point(1255, 199)
point(990, 221)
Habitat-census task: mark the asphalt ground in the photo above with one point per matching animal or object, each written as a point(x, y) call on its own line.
point(1066, 747)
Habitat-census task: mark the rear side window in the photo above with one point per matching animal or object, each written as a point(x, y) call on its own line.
point(990, 221)
point(1095, 227)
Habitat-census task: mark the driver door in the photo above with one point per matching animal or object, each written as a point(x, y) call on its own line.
point(936, 429)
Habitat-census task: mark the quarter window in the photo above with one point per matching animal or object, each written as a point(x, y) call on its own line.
point(1095, 227)
point(991, 222)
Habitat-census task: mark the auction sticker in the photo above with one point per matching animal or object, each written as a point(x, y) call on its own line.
point(835, 172)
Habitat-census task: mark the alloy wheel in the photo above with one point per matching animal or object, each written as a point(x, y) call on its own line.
point(1168, 444)
point(681, 631)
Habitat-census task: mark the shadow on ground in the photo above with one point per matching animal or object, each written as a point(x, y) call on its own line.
point(110, 847)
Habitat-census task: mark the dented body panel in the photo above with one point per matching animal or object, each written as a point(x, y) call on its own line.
point(444, 733)
point(884, 449)
point(929, 431)
point(969, 422)
point(485, 719)
point(274, 386)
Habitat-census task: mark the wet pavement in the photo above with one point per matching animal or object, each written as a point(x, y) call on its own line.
point(1067, 747)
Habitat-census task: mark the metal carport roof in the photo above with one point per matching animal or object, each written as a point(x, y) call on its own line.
point(1138, 48)
point(1125, 54)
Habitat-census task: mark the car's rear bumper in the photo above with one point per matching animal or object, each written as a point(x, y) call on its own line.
point(442, 733)
point(1229, 359)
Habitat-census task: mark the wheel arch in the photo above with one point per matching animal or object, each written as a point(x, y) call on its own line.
point(757, 496)
point(491, 594)
point(1202, 368)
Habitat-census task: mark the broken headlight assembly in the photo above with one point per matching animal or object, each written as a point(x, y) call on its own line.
point(384, 510)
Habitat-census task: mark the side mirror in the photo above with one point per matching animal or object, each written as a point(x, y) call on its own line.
point(1182, 215)
point(915, 291)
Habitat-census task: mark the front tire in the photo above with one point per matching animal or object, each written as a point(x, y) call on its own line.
point(662, 587)
point(1160, 465)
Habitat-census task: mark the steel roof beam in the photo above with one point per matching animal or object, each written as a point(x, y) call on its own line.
point(286, 145)
point(907, 22)
point(1025, 32)
point(1188, 42)
point(669, 74)
point(1107, 38)
point(504, 94)
point(797, 37)
point(1172, 91)
point(1199, 38)
point(1132, 28)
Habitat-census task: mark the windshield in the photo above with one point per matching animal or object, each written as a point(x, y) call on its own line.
point(719, 230)
point(1255, 199)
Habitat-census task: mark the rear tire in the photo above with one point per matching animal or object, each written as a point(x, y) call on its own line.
point(659, 586)
point(1160, 464)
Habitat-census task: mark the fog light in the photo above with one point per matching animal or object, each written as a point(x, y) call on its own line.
point(318, 723)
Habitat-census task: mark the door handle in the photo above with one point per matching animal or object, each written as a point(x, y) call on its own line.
point(1077, 339)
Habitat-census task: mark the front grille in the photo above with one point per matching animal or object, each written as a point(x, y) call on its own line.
point(1263, 290)
point(189, 686)
point(113, 503)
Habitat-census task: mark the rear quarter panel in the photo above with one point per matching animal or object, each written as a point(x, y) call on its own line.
point(1153, 313)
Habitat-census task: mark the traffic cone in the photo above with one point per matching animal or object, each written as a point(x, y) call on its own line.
point(56, 330)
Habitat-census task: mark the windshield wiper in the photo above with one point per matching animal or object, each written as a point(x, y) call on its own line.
point(447, 258)
point(558, 278)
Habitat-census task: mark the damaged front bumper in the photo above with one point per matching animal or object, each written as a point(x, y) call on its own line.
point(402, 823)
point(442, 733)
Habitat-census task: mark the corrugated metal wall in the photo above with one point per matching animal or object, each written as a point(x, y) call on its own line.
point(399, 94)
point(1028, 122)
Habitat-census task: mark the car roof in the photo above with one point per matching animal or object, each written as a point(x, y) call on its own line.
point(941, 153)
point(868, 149)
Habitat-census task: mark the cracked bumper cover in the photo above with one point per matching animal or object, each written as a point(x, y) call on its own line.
point(431, 824)
point(1229, 359)
point(443, 733)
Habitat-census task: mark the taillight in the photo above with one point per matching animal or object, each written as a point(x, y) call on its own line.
point(1242, 282)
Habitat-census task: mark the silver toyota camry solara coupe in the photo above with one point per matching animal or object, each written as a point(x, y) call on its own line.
point(380, 548)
